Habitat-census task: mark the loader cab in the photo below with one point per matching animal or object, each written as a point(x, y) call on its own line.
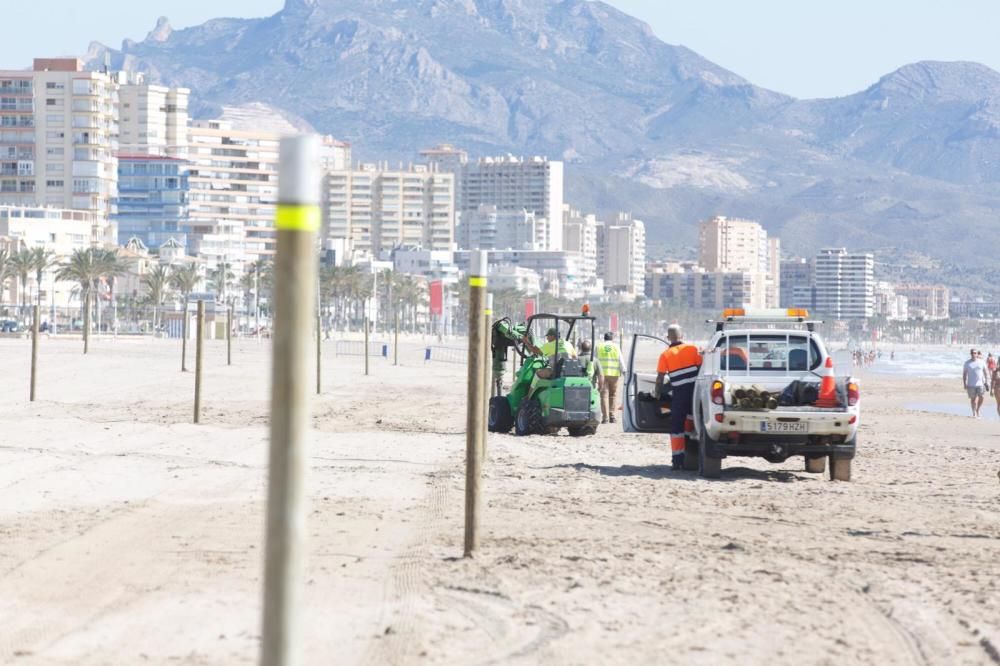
point(571, 330)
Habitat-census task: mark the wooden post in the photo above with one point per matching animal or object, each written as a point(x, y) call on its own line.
point(395, 342)
point(34, 352)
point(475, 403)
point(298, 220)
point(86, 321)
point(367, 324)
point(487, 370)
point(319, 352)
point(200, 332)
point(184, 336)
point(229, 335)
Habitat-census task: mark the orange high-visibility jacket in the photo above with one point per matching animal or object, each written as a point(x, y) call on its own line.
point(680, 363)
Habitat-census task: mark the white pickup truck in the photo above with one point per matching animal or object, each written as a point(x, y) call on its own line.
point(779, 356)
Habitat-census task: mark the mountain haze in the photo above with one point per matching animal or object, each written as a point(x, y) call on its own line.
point(912, 161)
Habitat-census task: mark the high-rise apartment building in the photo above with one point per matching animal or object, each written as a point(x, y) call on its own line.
point(488, 228)
point(926, 301)
point(622, 255)
point(515, 184)
point(736, 245)
point(376, 209)
point(580, 235)
point(58, 136)
point(153, 119)
point(233, 181)
point(153, 193)
point(845, 284)
point(798, 278)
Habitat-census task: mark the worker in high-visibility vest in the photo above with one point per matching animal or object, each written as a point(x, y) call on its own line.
point(609, 358)
point(680, 362)
point(553, 349)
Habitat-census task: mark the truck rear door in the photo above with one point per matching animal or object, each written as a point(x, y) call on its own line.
point(641, 410)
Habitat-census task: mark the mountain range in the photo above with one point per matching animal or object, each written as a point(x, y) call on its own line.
point(909, 166)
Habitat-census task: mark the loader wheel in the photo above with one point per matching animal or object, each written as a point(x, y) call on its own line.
point(816, 465)
point(582, 431)
point(708, 467)
point(691, 455)
point(529, 418)
point(501, 419)
point(840, 470)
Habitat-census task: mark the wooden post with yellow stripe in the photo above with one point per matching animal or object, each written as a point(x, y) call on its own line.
point(297, 221)
point(475, 418)
point(487, 368)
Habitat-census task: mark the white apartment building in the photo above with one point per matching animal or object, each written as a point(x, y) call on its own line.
point(845, 284)
point(516, 278)
point(376, 209)
point(580, 235)
point(445, 157)
point(233, 182)
point(736, 245)
point(926, 301)
point(889, 303)
point(622, 256)
point(58, 136)
point(689, 285)
point(514, 184)
point(153, 120)
point(59, 230)
point(489, 228)
point(561, 273)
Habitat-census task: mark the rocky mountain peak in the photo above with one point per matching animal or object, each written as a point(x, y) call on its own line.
point(161, 32)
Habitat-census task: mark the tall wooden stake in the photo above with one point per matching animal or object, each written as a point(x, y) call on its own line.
point(487, 369)
point(298, 220)
point(34, 351)
point(367, 324)
point(198, 355)
point(229, 336)
point(475, 403)
point(319, 352)
point(395, 342)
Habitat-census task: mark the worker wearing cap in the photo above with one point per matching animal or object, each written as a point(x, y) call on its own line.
point(609, 359)
point(552, 350)
point(680, 362)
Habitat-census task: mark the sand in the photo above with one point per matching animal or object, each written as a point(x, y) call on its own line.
point(130, 536)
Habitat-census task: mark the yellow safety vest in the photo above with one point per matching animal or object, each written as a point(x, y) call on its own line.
point(564, 347)
point(610, 359)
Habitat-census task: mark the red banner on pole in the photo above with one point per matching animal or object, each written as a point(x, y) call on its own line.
point(437, 297)
point(529, 308)
point(614, 321)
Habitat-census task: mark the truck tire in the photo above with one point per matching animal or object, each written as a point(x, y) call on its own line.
point(529, 418)
point(691, 455)
point(840, 469)
point(582, 431)
point(708, 467)
point(816, 465)
point(500, 419)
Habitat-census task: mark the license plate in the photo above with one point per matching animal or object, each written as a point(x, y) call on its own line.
point(785, 426)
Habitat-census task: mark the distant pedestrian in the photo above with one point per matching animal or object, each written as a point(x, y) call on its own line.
point(991, 363)
point(609, 356)
point(974, 380)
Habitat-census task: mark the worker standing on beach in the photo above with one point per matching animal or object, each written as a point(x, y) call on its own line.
point(680, 361)
point(974, 378)
point(609, 358)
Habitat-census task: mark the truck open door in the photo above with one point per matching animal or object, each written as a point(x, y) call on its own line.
point(641, 410)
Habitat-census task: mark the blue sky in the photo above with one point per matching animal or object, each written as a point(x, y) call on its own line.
point(799, 47)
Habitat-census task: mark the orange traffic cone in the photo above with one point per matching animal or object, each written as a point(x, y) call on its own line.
point(828, 387)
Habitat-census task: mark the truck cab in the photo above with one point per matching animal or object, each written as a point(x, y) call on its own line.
point(758, 393)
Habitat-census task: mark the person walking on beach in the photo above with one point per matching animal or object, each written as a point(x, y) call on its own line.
point(609, 356)
point(974, 378)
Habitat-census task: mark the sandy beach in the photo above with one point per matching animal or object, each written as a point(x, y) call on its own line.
point(131, 536)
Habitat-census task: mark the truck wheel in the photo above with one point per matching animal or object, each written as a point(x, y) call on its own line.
point(582, 431)
point(816, 465)
point(501, 419)
point(708, 467)
point(529, 418)
point(840, 470)
point(691, 455)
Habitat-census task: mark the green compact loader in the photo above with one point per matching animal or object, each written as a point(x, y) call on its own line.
point(554, 388)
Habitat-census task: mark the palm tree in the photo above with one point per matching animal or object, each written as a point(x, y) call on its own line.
point(84, 268)
point(220, 278)
point(111, 266)
point(22, 265)
point(5, 271)
point(42, 260)
point(185, 279)
point(157, 281)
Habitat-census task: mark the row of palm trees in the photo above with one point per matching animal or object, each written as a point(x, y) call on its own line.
point(21, 264)
point(345, 290)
